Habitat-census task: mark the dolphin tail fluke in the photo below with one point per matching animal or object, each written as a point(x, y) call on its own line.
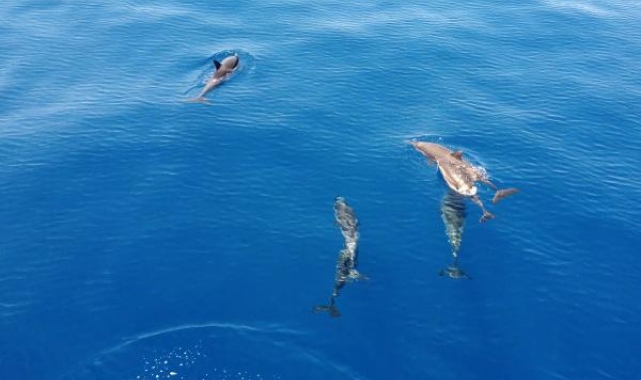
point(331, 309)
point(486, 216)
point(500, 194)
point(455, 273)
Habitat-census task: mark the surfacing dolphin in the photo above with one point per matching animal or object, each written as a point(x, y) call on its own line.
point(223, 71)
point(460, 175)
point(347, 258)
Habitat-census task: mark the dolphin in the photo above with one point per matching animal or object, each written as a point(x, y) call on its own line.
point(223, 70)
point(453, 215)
point(460, 175)
point(347, 258)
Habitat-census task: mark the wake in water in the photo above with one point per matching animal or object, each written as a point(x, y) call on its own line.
point(347, 258)
point(211, 351)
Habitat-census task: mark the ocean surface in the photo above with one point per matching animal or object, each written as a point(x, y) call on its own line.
point(144, 237)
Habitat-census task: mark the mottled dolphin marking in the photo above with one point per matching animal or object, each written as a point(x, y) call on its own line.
point(460, 175)
point(347, 258)
point(223, 71)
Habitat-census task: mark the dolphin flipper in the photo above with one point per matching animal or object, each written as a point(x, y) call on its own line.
point(486, 216)
point(500, 194)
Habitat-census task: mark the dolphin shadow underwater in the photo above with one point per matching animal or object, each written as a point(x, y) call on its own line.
point(347, 259)
point(460, 175)
point(224, 69)
point(453, 215)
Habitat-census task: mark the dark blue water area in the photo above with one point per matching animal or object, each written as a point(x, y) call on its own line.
point(145, 237)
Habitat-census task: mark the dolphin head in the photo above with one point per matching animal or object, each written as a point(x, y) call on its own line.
point(430, 150)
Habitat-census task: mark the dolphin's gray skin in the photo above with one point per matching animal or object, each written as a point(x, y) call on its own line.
point(460, 175)
point(347, 258)
point(223, 70)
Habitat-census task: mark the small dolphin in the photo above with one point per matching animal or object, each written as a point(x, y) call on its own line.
point(223, 71)
point(460, 175)
point(347, 258)
point(453, 215)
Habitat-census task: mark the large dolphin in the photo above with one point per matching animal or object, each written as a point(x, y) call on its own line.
point(460, 175)
point(347, 258)
point(223, 71)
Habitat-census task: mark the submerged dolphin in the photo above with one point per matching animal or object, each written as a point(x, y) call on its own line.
point(223, 70)
point(346, 263)
point(348, 223)
point(460, 175)
point(453, 215)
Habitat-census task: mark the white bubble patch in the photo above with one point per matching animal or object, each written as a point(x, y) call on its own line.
point(213, 351)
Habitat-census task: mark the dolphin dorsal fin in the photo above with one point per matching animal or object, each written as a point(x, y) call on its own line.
point(217, 64)
point(458, 154)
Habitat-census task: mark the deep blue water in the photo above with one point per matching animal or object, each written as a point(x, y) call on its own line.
point(143, 237)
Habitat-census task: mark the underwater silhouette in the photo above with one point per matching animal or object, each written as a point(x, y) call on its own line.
point(347, 258)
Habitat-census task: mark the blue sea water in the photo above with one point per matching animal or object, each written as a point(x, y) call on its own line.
point(148, 238)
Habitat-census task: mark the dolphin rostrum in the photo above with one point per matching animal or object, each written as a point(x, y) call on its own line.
point(347, 258)
point(460, 175)
point(223, 71)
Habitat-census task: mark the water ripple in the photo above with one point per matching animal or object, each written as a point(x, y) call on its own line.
point(213, 349)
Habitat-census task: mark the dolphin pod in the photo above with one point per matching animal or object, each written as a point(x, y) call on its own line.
point(460, 175)
point(223, 70)
point(347, 258)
